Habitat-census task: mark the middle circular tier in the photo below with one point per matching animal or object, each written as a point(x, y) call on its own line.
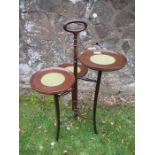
point(81, 69)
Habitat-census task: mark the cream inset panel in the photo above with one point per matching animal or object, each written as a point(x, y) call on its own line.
point(102, 59)
point(52, 79)
point(71, 68)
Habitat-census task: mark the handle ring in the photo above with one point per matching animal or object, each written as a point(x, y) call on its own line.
point(74, 22)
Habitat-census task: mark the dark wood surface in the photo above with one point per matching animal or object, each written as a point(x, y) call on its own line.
point(36, 84)
point(82, 72)
point(120, 61)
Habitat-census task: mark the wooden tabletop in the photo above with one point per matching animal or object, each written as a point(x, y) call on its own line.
point(81, 69)
point(53, 80)
point(103, 60)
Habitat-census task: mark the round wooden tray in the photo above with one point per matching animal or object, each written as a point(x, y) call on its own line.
point(53, 80)
point(103, 60)
point(81, 69)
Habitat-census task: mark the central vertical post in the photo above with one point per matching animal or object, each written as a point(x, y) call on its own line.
point(75, 87)
point(80, 26)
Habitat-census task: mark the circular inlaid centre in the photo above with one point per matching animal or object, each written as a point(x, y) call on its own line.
point(102, 59)
point(52, 79)
point(71, 68)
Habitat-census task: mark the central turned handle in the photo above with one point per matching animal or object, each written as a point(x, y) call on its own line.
point(75, 26)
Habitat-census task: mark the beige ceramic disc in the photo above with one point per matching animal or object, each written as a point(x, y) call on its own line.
point(102, 59)
point(52, 79)
point(71, 68)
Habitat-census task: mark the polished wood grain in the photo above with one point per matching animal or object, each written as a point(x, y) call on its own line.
point(120, 60)
point(37, 85)
point(83, 69)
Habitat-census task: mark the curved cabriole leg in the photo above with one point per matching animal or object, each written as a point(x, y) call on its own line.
point(56, 98)
point(95, 99)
